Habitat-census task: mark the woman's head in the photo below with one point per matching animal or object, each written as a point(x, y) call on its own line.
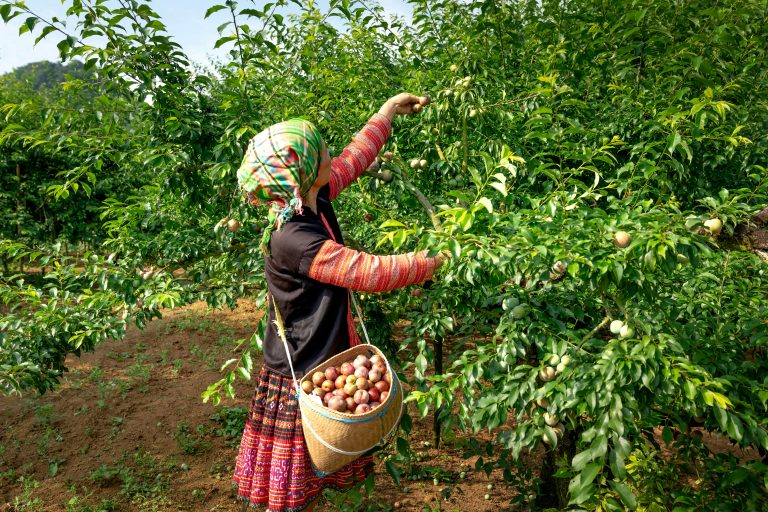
point(281, 164)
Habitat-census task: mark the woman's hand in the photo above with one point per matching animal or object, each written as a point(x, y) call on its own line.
point(403, 104)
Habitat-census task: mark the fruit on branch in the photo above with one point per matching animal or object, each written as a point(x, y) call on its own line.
point(520, 311)
point(621, 239)
point(550, 419)
point(147, 275)
point(385, 176)
point(616, 326)
point(233, 225)
point(423, 164)
point(368, 217)
point(454, 68)
point(473, 112)
point(714, 225)
point(434, 131)
point(626, 332)
point(543, 403)
point(388, 155)
point(547, 374)
point(416, 292)
point(375, 166)
point(414, 163)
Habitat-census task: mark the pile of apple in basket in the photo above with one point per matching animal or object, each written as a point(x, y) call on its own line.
point(355, 387)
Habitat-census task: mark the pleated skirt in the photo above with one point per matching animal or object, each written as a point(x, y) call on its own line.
point(273, 469)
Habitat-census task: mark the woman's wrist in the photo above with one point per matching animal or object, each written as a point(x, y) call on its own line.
point(388, 109)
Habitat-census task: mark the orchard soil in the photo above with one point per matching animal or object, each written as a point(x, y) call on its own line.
point(128, 431)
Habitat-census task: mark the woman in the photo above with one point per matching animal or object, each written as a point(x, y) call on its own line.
point(309, 275)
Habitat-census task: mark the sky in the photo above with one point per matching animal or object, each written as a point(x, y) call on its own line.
point(183, 18)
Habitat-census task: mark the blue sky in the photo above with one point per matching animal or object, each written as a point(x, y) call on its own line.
point(184, 19)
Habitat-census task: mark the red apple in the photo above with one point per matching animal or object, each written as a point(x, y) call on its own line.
point(384, 395)
point(347, 369)
point(374, 375)
point(337, 404)
point(374, 404)
point(376, 358)
point(340, 381)
point(361, 396)
point(350, 404)
point(327, 397)
point(362, 383)
point(331, 373)
point(381, 367)
point(382, 386)
point(318, 378)
point(351, 379)
point(339, 392)
point(318, 392)
point(328, 385)
point(361, 372)
point(362, 408)
point(374, 394)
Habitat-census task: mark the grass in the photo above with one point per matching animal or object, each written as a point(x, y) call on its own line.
point(143, 479)
point(192, 442)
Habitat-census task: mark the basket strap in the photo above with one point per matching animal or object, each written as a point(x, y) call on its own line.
point(281, 334)
point(359, 316)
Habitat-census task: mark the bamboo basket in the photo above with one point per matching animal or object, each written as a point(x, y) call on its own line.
point(334, 439)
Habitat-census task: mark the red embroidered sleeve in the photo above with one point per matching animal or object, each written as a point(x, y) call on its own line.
point(337, 265)
point(356, 157)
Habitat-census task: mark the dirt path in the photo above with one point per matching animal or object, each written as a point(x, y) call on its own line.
point(128, 431)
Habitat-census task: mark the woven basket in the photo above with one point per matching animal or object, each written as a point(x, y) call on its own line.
point(334, 439)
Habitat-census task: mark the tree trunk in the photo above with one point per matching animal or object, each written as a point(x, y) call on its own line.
point(553, 491)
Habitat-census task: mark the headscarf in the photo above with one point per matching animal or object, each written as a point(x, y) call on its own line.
point(279, 167)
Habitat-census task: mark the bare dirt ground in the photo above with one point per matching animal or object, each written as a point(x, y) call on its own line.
point(128, 431)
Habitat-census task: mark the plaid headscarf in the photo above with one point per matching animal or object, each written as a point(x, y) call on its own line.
point(279, 167)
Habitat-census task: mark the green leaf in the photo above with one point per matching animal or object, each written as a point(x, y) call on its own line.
point(626, 495)
point(213, 9)
point(393, 471)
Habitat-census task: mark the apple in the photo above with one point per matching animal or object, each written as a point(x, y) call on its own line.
point(547, 374)
point(384, 396)
point(340, 381)
point(307, 386)
point(328, 386)
point(361, 372)
point(376, 358)
point(368, 217)
point(318, 392)
point(362, 408)
point(382, 367)
point(351, 379)
point(347, 369)
point(350, 402)
point(318, 378)
point(385, 176)
point(621, 239)
point(382, 386)
point(626, 332)
point(388, 155)
point(616, 326)
point(551, 419)
point(374, 375)
point(714, 225)
point(350, 389)
point(331, 373)
point(337, 404)
point(233, 225)
point(414, 163)
point(560, 368)
point(362, 396)
point(543, 403)
point(327, 398)
point(454, 68)
point(374, 404)
point(423, 164)
point(374, 394)
point(362, 383)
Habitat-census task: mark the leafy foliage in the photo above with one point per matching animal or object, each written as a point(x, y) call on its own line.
point(554, 125)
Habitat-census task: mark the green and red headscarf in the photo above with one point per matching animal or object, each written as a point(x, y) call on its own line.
point(279, 168)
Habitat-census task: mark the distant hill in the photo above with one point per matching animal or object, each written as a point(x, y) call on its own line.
point(44, 75)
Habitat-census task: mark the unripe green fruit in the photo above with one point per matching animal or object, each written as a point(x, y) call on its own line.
point(566, 359)
point(414, 163)
point(616, 326)
point(473, 113)
point(714, 225)
point(547, 374)
point(423, 164)
point(555, 359)
point(626, 332)
point(454, 68)
point(489, 487)
point(487, 497)
point(520, 311)
point(385, 176)
point(560, 367)
point(435, 132)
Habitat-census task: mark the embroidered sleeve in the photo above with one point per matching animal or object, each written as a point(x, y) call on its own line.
point(337, 265)
point(356, 157)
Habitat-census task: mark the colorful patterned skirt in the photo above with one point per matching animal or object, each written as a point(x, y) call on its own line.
point(273, 467)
